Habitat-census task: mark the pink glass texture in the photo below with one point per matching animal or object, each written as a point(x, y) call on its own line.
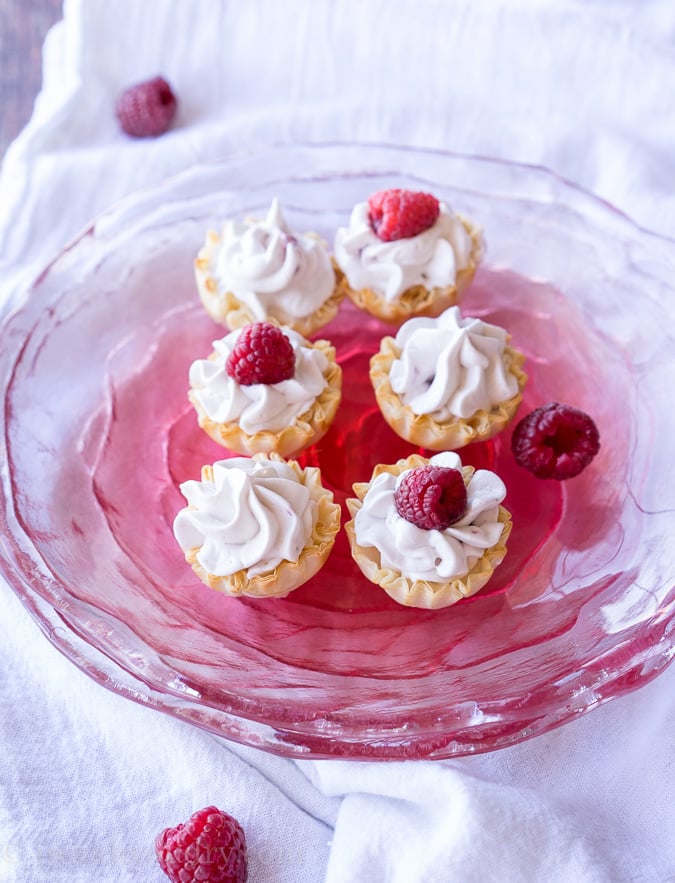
point(97, 434)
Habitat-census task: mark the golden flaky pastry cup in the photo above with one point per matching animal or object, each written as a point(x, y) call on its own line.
point(423, 593)
point(227, 309)
point(419, 300)
point(422, 429)
point(287, 575)
point(305, 430)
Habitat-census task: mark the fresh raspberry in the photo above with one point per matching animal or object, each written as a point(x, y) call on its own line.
point(146, 109)
point(432, 497)
point(398, 214)
point(262, 354)
point(210, 847)
point(555, 441)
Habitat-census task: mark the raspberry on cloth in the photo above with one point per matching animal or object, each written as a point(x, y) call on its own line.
point(210, 847)
point(146, 109)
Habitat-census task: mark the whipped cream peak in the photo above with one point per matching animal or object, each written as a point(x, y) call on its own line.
point(451, 366)
point(260, 242)
point(260, 406)
point(272, 270)
point(431, 258)
point(245, 513)
point(431, 555)
point(275, 219)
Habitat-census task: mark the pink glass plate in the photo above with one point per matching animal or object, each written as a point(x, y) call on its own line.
point(97, 434)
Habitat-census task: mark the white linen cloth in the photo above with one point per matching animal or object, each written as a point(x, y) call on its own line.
point(87, 778)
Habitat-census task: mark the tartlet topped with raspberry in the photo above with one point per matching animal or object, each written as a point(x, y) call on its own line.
point(405, 253)
point(266, 388)
point(429, 531)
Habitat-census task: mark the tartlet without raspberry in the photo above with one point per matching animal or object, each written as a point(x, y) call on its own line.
point(285, 574)
point(260, 269)
point(455, 432)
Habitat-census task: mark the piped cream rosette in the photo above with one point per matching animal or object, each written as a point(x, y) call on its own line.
point(259, 526)
point(419, 276)
point(284, 417)
point(258, 270)
point(446, 382)
point(478, 539)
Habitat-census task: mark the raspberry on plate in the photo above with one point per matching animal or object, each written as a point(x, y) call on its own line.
point(431, 497)
point(400, 214)
point(555, 441)
point(146, 109)
point(209, 847)
point(263, 354)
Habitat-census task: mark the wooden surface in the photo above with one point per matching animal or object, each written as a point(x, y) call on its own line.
point(23, 26)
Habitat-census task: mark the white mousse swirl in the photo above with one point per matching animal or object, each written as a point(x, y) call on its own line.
point(272, 270)
point(254, 514)
point(451, 366)
point(431, 258)
point(431, 555)
point(260, 406)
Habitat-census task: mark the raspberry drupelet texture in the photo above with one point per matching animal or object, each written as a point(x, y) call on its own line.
point(399, 214)
point(146, 109)
point(209, 847)
point(555, 441)
point(431, 497)
point(262, 354)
